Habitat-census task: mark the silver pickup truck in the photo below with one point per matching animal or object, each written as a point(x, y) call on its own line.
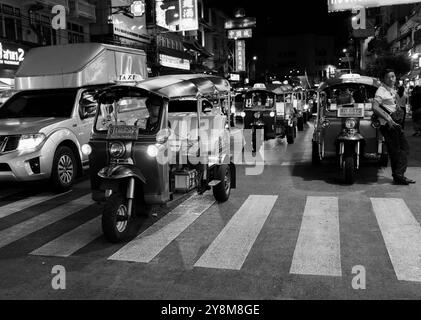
point(45, 124)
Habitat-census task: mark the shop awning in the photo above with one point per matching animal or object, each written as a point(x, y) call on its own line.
point(196, 46)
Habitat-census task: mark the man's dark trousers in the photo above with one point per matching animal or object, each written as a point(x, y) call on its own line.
point(398, 149)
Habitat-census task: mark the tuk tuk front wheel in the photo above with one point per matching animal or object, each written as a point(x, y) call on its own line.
point(117, 224)
point(349, 170)
point(300, 124)
point(315, 157)
point(222, 190)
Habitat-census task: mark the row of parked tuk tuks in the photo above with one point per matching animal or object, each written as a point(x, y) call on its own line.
point(150, 141)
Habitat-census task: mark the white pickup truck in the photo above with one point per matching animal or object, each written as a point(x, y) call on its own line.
point(45, 124)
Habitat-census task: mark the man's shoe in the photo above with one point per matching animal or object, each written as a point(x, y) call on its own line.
point(400, 181)
point(409, 180)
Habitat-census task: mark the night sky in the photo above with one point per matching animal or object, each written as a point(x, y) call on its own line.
point(290, 17)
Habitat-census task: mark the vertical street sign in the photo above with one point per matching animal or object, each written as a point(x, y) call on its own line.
point(240, 54)
point(188, 15)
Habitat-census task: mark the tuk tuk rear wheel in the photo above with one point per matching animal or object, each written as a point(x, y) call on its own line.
point(117, 225)
point(222, 190)
point(384, 160)
point(349, 170)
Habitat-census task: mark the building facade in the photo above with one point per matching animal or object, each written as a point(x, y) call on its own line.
point(27, 23)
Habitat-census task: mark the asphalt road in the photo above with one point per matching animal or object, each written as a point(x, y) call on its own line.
point(292, 232)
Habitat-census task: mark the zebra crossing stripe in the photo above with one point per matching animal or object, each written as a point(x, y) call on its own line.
point(402, 236)
point(72, 241)
point(27, 227)
point(153, 240)
point(20, 205)
point(317, 251)
point(230, 249)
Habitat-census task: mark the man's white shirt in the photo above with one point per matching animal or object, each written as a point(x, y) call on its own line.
point(386, 97)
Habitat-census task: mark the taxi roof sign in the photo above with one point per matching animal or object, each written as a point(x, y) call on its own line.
point(129, 78)
point(350, 76)
point(259, 86)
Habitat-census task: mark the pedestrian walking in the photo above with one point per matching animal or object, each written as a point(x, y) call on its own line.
point(390, 115)
point(416, 110)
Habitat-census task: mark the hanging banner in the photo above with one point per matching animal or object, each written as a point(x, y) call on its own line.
point(240, 54)
point(340, 5)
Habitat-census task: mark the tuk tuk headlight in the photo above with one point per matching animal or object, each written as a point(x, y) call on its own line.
point(152, 151)
point(30, 141)
point(325, 123)
point(117, 149)
point(257, 115)
point(350, 123)
point(243, 114)
point(272, 114)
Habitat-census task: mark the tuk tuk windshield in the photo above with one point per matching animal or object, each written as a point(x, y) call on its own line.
point(259, 99)
point(347, 94)
point(131, 110)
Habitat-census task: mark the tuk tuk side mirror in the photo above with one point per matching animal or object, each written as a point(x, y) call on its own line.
point(163, 135)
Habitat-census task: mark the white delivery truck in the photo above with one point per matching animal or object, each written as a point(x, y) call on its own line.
point(44, 125)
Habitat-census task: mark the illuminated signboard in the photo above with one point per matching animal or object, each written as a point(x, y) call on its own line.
point(240, 23)
point(188, 15)
point(168, 14)
point(240, 54)
point(240, 33)
point(234, 77)
point(132, 28)
point(11, 57)
point(339, 5)
point(174, 62)
point(137, 8)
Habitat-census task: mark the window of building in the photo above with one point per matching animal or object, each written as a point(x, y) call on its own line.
point(75, 33)
point(11, 23)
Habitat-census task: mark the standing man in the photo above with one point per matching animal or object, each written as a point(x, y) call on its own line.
point(390, 114)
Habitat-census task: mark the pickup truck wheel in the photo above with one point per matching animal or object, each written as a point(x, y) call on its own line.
point(222, 191)
point(64, 169)
point(117, 225)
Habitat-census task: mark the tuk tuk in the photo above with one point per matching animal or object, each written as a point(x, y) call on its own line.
point(259, 113)
point(154, 141)
point(285, 116)
point(344, 129)
point(300, 104)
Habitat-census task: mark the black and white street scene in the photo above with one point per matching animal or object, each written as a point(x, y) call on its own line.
point(207, 150)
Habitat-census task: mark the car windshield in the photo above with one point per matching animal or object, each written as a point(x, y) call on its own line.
point(39, 103)
point(259, 99)
point(346, 94)
point(132, 109)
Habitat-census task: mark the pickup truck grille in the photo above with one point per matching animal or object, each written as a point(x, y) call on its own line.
point(8, 143)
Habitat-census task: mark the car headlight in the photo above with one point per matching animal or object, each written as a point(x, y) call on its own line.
point(152, 151)
point(350, 123)
point(86, 149)
point(233, 110)
point(30, 141)
point(117, 149)
point(257, 115)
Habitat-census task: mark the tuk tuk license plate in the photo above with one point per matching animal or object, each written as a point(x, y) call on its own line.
point(350, 112)
point(123, 132)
